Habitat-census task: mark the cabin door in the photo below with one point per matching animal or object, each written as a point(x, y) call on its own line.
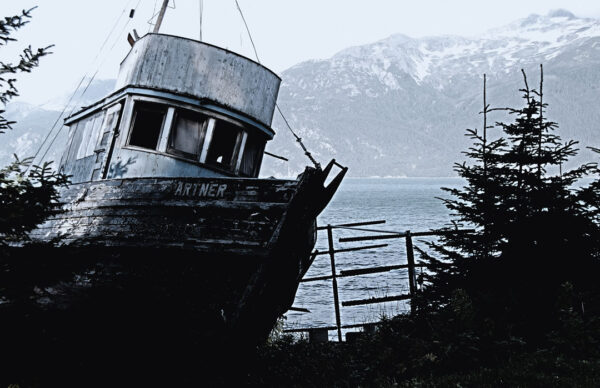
point(105, 146)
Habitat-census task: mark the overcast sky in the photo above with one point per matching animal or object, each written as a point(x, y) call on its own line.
point(285, 31)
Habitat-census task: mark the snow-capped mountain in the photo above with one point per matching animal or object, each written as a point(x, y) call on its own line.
point(400, 106)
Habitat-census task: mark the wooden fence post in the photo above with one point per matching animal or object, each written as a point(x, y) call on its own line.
point(336, 299)
point(412, 279)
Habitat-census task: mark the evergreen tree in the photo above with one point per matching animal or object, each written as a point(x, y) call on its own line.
point(589, 198)
point(534, 229)
point(28, 194)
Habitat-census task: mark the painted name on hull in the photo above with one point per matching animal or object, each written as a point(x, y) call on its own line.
point(201, 190)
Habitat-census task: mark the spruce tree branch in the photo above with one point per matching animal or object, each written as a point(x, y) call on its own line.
point(28, 61)
point(13, 23)
point(526, 90)
point(541, 120)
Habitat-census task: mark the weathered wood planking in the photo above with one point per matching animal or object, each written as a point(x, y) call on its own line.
point(231, 230)
point(239, 190)
point(205, 213)
point(203, 71)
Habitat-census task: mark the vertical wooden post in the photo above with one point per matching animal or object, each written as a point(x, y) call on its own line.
point(336, 299)
point(410, 256)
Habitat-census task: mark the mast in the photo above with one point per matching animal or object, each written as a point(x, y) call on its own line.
point(161, 15)
point(201, 12)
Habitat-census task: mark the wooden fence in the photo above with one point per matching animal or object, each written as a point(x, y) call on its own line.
point(320, 333)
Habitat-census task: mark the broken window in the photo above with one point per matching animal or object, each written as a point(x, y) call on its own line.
point(224, 145)
point(187, 134)
point(148, 120)
point(252, 156)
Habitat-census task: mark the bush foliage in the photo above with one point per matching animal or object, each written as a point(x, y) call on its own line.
point(28, 193)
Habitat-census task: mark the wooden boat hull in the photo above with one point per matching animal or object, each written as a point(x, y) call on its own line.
point(247, 242)
point(231, 215)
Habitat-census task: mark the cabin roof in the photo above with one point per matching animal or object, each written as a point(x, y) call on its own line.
point(206, 44)
point(206, 72)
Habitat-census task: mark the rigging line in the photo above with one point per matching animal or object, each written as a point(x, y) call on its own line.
point(113, 29)
point(93, 77)
point(152, 17)
point(54, 125)
point(78, 86)
point(298, 138)
point(70, 113)
point(105, 58)
point(154, 13)
point(100, 50)
point(248, 30)
point(85, 89)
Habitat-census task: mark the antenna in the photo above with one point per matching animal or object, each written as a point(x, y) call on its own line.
point(201, 12)
point(161, 15)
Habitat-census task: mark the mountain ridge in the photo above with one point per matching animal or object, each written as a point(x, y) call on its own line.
point(400, 106)
point(420, 94)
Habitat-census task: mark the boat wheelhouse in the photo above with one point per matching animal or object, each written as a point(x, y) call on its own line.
point(182, 108)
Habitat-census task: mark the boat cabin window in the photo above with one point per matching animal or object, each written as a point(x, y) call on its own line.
point(252, 156)
point(148, 120)
point(196, 136)
point(187, 135)
point(224, 146)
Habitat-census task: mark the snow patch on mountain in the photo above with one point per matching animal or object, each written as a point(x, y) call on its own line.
point(542, 37)
point(399, 106)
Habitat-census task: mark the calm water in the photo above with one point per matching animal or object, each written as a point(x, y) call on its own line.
point(405, 204)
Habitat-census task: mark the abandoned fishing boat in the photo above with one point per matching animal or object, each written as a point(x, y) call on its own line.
point(167, 166)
